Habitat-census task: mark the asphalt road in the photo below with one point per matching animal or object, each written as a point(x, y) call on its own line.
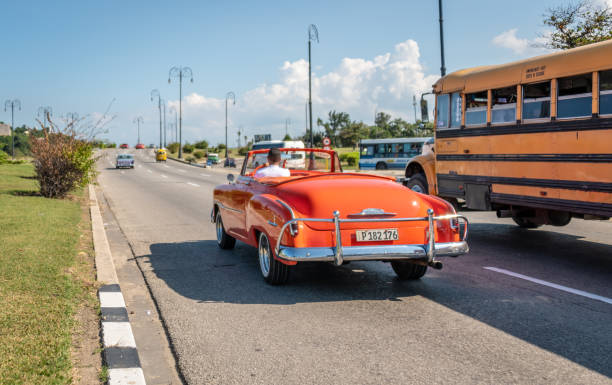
point(475, 321)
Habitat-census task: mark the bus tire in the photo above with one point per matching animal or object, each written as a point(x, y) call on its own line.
point(418, 183)
point(381, 166)
point(524, 222)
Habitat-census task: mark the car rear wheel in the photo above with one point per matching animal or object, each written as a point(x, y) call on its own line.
point(381, 166)
point(273, 271)
point(407, 271)
point(418, 183)
point(224, 240)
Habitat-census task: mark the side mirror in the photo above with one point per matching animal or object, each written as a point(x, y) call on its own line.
point(424, 111)
point(230, 178)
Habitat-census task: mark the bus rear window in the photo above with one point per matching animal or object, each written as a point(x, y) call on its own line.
point(605, 92)
point(476, 108)
point(503, 105)
point(536, 101)
point(575, 96)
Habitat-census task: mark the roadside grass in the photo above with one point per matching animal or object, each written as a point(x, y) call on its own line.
point(43, 279)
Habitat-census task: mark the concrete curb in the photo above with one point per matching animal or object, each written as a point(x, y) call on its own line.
point(120, 353)
point(185, 162)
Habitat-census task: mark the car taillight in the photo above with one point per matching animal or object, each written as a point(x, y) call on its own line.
point(454, 224)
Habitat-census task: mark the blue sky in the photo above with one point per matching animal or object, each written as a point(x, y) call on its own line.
point(76, 56)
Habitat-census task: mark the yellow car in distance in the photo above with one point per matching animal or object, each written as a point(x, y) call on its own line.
point(161, 155)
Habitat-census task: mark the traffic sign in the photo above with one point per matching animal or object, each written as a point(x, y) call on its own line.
point(326, 147)
point(326, 142)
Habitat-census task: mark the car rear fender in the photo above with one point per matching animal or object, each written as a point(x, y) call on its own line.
point(268, 213)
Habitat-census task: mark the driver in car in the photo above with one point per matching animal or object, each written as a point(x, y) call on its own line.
point(273, 169)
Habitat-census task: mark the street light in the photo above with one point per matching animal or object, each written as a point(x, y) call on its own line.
point(227, 96)
point(12, 104)
point(45, 112)
point(171, 110)
point(138, 120)
point(313, 34)
point(155, 94)
point(165, 129)
point(442, 67)
point(180, 72)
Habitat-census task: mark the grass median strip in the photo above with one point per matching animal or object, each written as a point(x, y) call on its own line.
point(44, 280)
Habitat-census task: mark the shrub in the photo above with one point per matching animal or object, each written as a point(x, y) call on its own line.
point(111, 145)
point(62, 163)
point(221, 146)
point(4, 158)
point(199, 154)
point(352, 159)
point(188, 148)
point(173, 147)
point(190, 159)
point(202, 145)
point(243, 150)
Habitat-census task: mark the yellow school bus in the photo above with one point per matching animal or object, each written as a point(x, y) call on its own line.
point(531, 139)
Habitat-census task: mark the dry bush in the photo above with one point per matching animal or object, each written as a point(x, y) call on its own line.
point(63, 158)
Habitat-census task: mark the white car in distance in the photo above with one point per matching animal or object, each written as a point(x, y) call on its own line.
point(124, 160)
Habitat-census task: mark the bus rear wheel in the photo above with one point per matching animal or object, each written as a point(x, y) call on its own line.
point(418, 183)
point(381, 166)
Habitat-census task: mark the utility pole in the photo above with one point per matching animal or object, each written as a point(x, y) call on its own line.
point(12, 104)
point(443, 67)
point(287, 123)
point(155, 94)
point(180, 72)
point(233, 97)
point(313, 34)
point(138, 120)
point(414, 105)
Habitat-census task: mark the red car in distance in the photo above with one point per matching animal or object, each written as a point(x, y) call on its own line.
point(124, 145)
point(140, 146)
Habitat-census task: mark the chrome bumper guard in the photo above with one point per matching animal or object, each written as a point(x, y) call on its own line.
point(338, 254)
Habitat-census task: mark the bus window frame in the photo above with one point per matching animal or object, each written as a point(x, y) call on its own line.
point(543, 98)
point(600, 92)
point(574, 96)
point(481, 108)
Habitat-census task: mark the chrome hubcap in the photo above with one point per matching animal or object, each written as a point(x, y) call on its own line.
point(264, 255)
point(219, 228)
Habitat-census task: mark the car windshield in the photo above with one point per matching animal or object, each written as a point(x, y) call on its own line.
point(296, 159)
point(124, 156)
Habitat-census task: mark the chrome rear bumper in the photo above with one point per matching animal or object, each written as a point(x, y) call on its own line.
point(425, 253)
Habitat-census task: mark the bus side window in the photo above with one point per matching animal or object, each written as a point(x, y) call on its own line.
point(503, 105)
point(442, 113)
point(476, 108)
point(575, 96)
point(536, 101)
point(605, 92)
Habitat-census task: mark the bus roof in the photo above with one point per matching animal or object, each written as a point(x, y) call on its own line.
point(395, 140)
point(575, 61)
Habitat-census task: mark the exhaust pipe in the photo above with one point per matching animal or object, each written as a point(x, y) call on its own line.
point(436, 265)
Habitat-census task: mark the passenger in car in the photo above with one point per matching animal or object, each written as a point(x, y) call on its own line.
point(274, 169)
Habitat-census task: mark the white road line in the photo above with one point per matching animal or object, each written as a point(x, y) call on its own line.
point(165, 165)
point(550, 284)
point(179, 170)
point(122, 172)
point(150, 171)
point(193, 184)
point(111, 299)
point(118, 334)
point(205, 174)
point(163, 176)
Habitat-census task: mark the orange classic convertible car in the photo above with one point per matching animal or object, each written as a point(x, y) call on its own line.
point(320, 213)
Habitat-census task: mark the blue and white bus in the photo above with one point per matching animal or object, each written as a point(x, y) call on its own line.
point(382, 154)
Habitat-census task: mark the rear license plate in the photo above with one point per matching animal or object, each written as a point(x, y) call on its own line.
point(377, 235)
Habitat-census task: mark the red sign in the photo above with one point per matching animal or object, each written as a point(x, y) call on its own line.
point(326, 142)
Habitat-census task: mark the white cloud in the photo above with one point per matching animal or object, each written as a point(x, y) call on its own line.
point(520, 46)
point(358, 86)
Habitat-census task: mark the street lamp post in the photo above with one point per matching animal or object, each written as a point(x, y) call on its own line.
point(138, 120)
point(46, 112)
point(233, 97)
point(165, 129)
point(313, 34)
point(287, 123)
point(12, 104)
point(171, 110)
point(155, 94)
point(180, 72)
point(442, 67)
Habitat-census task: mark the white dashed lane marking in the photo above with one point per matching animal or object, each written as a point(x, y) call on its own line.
point(163, 176)
point(193, 184)
point(205, 174)
point(550, 284)
point(179, 170)
point(150, 171)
